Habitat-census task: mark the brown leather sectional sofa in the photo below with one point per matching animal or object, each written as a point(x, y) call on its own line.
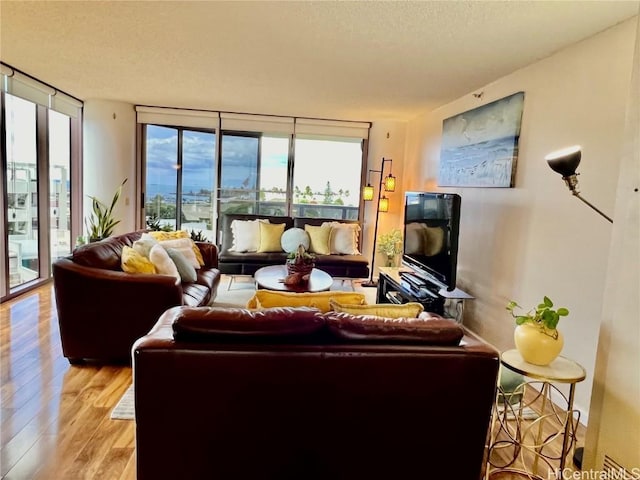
point(289, 393)
point(246, 263)
point(103, 310)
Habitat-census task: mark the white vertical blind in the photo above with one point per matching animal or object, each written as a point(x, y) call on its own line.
point(28, 88)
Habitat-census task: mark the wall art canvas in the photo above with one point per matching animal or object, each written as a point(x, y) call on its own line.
point(480, 146)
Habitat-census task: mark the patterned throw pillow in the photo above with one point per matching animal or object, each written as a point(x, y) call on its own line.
point(134, 262)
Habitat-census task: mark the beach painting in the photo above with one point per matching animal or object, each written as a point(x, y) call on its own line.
point(480, 146)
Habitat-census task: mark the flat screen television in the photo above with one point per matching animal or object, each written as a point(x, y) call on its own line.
point(431, 227)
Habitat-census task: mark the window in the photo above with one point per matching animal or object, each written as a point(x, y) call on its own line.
point(253, 174)
point(59, 184)
point(200, 165)
point(326, 178)
point(40, 149)
point(22, 190)
point(180, 166)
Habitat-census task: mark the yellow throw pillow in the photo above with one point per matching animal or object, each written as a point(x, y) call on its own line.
point(387, 310)
point(319, 300)
point(270, 236)
point(318, 239)
point(133, 262)
point(162, 236)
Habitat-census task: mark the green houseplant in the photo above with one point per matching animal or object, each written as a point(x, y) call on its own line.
point(536, 336)
point(390, 244)
point(100, 223)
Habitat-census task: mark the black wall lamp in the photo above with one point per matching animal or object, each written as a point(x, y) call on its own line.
point(565, 162)
point(389, 183)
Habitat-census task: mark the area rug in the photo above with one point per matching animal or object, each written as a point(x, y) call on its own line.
point(235, 295)
point(125, 408)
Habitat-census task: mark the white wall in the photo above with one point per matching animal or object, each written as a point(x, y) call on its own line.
point(536, 239)
point(109, 150)
point(386, 140)
point(614, 427)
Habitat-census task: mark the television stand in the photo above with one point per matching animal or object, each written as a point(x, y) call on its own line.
point(402, 285)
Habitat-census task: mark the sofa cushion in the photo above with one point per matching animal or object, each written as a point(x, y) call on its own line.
point(218, 323)
point(195, 295)
point(389, 310)
point(144, 244)
point(343, 239)
point(134, 262)
point(177, 234)
point(106, 254)
point(318, 239)
point(162, 261)
point(185, 269)
point(246, 235)
point(184, 246)
point(369, 328)
point(320, 300)
point(293, 238)
point(270, 236)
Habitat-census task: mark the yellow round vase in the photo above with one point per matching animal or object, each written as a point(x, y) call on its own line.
point(537, 345)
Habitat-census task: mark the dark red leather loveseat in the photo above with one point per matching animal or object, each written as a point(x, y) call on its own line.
point(283, 394)
point(103, 310)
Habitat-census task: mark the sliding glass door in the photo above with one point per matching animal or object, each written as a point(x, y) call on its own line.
point(179, 171)
point(22, 190)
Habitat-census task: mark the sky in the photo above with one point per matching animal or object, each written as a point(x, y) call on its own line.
point(316, 162)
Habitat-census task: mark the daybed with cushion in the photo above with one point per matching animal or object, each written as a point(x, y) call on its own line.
point(246, 245)
point(102, 309)
point(293, 393)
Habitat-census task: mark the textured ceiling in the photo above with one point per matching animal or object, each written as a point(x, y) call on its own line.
point(346, 60)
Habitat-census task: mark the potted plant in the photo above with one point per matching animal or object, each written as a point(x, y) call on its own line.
point(390, 244)
point(299, 266)
point(100, 223)
point(536, 336)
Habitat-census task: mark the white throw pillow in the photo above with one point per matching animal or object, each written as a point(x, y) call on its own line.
point(343, 239)
point(294, 237)
point(185, 247)
point(246, 235)
point(162, 261)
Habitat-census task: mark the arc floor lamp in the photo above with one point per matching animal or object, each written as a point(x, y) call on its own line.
point(565, 162)
point(389, 184)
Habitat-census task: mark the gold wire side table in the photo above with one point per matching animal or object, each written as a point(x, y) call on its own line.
point(517, 443)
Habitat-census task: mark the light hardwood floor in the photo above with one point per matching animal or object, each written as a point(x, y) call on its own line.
point(54, 417)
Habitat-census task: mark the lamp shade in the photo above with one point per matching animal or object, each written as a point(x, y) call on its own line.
point(390, 183)
point(367, 192)
point(383, 204)
point(565, 161)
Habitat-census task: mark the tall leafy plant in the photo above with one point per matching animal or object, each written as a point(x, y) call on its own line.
point(100, 223)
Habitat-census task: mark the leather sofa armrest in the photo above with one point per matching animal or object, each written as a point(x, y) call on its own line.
point(209, 253)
